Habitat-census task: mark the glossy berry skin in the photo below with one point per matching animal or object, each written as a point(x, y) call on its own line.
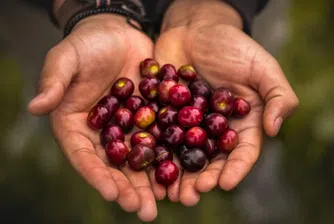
point(168, 71)
point(193, 160)
point(187, 72)
point(215, 124)
point(241, 107)
point(199, 87)
point(222, 101)
point(148, 87)
point(199, 102)
point(195, 137)
point(174, 135)
point(133, 103)
point(228, 141)
point(167, 116)
point(210, 148)
point(154, 106)
point(122, 88)
point(117, 152)
point(164, 89)
point(143, 138)
point(156, 131)
point(166, 173)
point(111, 132)
point(111, 103)
point(179, 95)
point(140, 157)
point(180, 150)
point(190, 116)
point(162, 154)
point(124, 119)
point(98, 117)
point(144, 117)
point(149, 67)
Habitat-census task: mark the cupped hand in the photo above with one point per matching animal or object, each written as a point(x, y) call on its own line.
point(76, 74)
point(226, 57)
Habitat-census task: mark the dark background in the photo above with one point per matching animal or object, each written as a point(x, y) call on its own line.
point(293, 182)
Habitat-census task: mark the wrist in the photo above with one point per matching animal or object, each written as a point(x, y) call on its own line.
point(200, 13)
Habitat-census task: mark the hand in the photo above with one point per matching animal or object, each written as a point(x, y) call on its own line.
point(207, 34)
point(77, 73)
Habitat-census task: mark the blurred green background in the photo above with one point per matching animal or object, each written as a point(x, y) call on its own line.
point(293, 182)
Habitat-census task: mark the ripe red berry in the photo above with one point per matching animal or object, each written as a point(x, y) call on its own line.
point(148, 87)
point(144, 117)
point(154, 106)
point(228, 141)
point(210, 148)
point(174, 135)
point(200, 102)
point(222, 101)
point(111, 132)
point(190, 116)
point(140, 157)
point(143, 138)
point(149, 67)
point(162, 153)
point(124, 119)
point(187, 72)
point(117, 152)
point(241, 107)
point(167, 116)
point(199, 87)
point(122, 88)
point(133, 103)
point(179, 95)
point(166, 173)
point(155, 130)
point(168, 71)
point(215, 124)
point(164, 89)
point(111, 103)
point(193, 160)
point(195, 137)
point(98, 117)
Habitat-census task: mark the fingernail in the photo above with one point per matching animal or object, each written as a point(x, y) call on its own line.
point(277, 124)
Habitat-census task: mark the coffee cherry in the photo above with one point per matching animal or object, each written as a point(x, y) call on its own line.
point(122, 88)
point(228, 141)
point(156, 131)
point(215, 124)
point(117, 152)
point(190, 116)
point(241, 107)
point(187, 72)
point(124, 119)
point(148, 87)
point(195, 137)
point(98, 117)
point(164, 89)
point(162, 154)
point(140, 157)
point(111, 132)
point(111, 103)
point(143, 138)
point(174, 135)
point(180, 150)
point(154, 106)
point(167, 116)
point(144, 117)
point(222, 101)
point(133, 103)
point(149, 67)
point(166, 173)
point(179, 95)
point(200, 102)
point(199, 87)
point(210, 148)
point(193, 160)
point(168, 71)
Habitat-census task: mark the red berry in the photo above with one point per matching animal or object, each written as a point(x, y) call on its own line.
point(111, 103)
point(215, 124)
point(166, 173)
point(174, 135)
point(168, 71)
point(156, 131)
point(144, 117)
point(149, 67)
point(187, 72)
point(148, 88)
point(241, 107)
point(200, 102)
point(162, 154)
point(122, 88)
point(124, 119)
point(143, 138)
point(164, 88)
point(222, 101)
point(140, 157)
point(193, 160)
point(117, 152)
point(133, 103)
point(199, 87)
point(228, 141)
point(98, 117)
point(111, 132)
point(179, 95)
point(195, 137)
point(167, 116)
point(154, 106)
point(190, 116)
point(210, 148)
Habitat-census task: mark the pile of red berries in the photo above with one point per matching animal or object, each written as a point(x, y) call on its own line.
point(190, 121)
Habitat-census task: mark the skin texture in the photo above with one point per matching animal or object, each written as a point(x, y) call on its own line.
point(207, 34)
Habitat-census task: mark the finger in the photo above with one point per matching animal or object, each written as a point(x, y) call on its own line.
point(173, 190)
point(139, 180)
point(61, 64)
point(273, 87)
point(158, 189)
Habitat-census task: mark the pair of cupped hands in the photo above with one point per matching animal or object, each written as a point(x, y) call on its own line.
point(80, 70)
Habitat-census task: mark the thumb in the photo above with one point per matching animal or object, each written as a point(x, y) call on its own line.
point(273, 87)
point(60, 65)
